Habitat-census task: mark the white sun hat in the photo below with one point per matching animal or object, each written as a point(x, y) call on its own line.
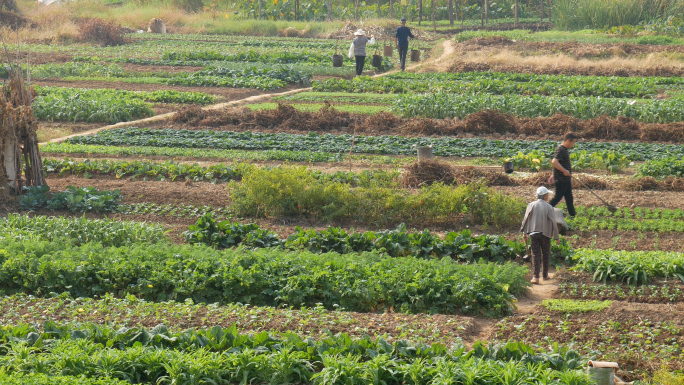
point(359, 32)
point(543, 191)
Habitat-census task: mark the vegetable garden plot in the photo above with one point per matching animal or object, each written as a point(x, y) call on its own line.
point(502, 84)
point(443, 105)
point(391, 145)
point(162, 272)
point(632, 267)
point(314, 322)
point(223, 355)
point(103, 105)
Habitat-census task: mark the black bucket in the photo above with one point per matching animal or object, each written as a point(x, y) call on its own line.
point(377, 61)
point(337, 60)
point(508, 167)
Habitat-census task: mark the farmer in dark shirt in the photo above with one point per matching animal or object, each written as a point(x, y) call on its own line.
point(401, 40)
point(562, 173)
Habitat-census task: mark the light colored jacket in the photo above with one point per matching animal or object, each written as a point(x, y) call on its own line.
point(360, 43)
point(540, 218)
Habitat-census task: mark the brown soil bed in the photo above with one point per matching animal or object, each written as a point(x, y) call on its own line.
point(498, 125)
point(138, 191)
point(668, 71)
point(627, 332)
point(228, 94)
point(650, 199)
point(649, 293)
point(574, 49)
point(430, 328)
point(498, 27)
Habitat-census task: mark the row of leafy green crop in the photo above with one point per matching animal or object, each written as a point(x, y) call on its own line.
point(224, 356)
point(80, 230)
point(662, 168)
point(591, 218)
point(632, 267)
point(162, 271)
point(81, 199)
point(214, 173)
point(391, 145)
point(340, 97)
point(284, 155)
point(610, 160)
point(501, 84)
point(461, 246)
point(592, 212)
point(104, 105)
point(444, 105)
point(643, 293)
point(34, 378)
point(145, 169)
point(165, 96)
point(249, 77)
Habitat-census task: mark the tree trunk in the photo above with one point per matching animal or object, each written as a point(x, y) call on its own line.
point(487, 12)
point(420, 11)
point(482, 13)
point(329, 5)
point(516, 12)
point(451, 13)
point(434, 22)
point(542, 11)
point(391, 9)
point(550, 9)
point(356, 10)
point(259, 9)
point(379, 10)
point(11, 159)
point(461, 12)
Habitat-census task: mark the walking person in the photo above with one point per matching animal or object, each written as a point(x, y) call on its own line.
point(562, 173)
point(539, 225)
point(401, 37)
point(358, 49)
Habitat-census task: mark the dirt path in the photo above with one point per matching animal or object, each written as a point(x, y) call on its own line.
point(537, 293)
point(448, 50)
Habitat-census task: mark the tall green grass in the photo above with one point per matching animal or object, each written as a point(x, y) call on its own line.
point(580, 14)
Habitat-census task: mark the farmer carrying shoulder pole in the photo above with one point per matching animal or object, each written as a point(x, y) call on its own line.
point(401, 40)
point(358, 49)
point(539, 225)
point(562, 173)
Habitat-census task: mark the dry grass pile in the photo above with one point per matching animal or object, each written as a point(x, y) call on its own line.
point(286, 118)
point(592, 182)
point(429, 171)
point(104, 33)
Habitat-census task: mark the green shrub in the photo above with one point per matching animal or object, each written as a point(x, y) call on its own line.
point(289, 191)
point(581, 14)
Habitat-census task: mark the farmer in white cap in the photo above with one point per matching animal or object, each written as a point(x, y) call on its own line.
point(358, 49)
point(540, 226)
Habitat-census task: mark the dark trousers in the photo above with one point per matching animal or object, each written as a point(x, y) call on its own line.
point(564, 190)
point(541, 254)
point(402, 56)
point(360, 61)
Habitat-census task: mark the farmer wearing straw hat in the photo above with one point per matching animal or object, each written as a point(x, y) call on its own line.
point(358, 49)
point(540, 226)
point(401, 37)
